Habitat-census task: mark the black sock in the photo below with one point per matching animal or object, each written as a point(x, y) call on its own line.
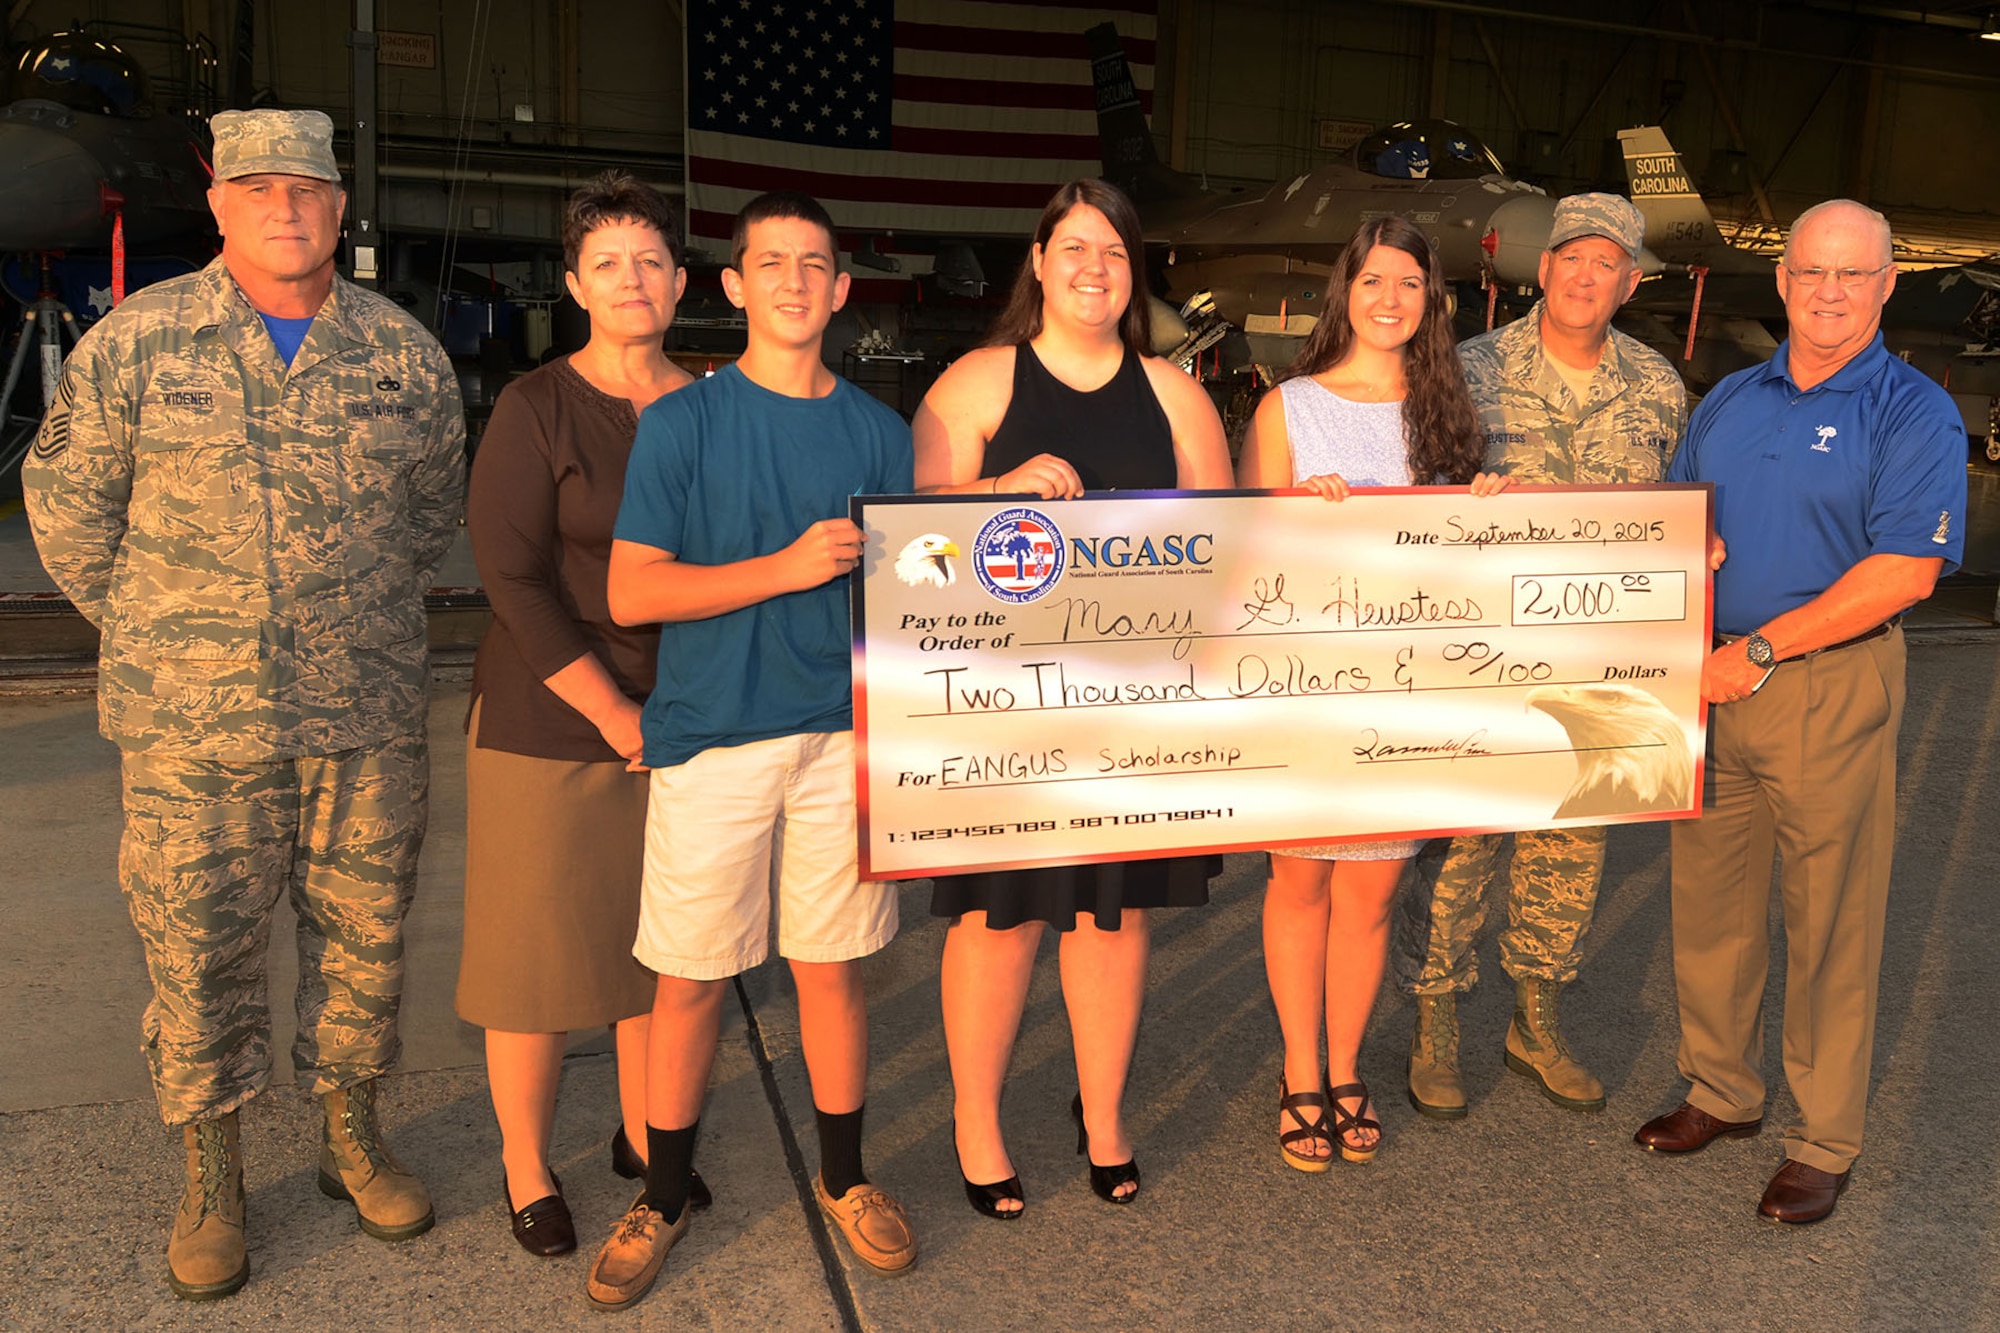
point(840, 1150)
point(669, 1160)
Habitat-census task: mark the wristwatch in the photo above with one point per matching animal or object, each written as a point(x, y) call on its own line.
point(1758, 649)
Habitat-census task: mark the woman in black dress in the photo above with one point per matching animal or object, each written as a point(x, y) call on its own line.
point(1067, 361)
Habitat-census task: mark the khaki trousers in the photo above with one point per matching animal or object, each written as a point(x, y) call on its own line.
point(1805, 768)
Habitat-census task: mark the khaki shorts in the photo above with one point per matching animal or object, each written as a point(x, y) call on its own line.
point(751, 845)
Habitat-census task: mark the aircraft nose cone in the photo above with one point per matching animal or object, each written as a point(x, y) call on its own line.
point(64, 207)
point(1518, 232)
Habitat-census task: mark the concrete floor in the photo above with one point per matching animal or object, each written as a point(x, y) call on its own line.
point(1524, 1216)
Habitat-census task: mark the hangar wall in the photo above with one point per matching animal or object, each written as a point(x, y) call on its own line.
point(1827, 102)
point(1808, 100)
point(523, 97)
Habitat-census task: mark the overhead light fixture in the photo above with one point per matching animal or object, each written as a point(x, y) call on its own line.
point(1989, 30)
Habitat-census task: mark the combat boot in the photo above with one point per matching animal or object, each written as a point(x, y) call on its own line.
point(205, 1255)
point(1435, 1088)
point(355, 1164)
point(1535, 1048)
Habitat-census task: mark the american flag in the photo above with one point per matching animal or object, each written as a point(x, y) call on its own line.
point(948, 117)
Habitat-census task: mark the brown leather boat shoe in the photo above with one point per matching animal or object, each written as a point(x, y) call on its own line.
point(1801, 1193)
point(1688, 1128)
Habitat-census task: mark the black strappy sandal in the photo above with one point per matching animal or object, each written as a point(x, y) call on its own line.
point(1345, 1122)
point(1289, 1103)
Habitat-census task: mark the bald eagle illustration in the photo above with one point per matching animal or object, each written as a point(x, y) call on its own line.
point(926, 562)
point(1631, 753)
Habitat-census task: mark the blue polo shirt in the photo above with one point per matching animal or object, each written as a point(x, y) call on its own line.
point(1808, 483)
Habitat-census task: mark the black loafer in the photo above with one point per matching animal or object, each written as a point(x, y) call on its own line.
point(544, 1227)
point(627, 1164)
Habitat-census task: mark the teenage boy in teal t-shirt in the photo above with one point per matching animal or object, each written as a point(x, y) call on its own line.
point(734, 531)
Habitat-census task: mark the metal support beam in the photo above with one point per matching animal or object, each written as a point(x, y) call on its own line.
point(1687, 38)
point(1725, 106)
point(1177, 148)
point(1603, 87)
point(1437, 74)
point(365, 242)
point(1500, 74)
point(1868, 138)
point(1826, 88)
point(242, 56)
point(569, 74)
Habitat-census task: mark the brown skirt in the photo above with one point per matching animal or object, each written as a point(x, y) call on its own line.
point(553, 853)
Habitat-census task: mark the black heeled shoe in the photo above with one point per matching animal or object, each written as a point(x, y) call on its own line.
point(986, 1199)
point(1104, 1180)
point(543, 1227)
point(627, 1164)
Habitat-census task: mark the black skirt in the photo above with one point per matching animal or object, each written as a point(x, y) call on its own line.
point(1056, 894)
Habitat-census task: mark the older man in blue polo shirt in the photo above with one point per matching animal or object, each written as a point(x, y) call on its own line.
point(1840, 500)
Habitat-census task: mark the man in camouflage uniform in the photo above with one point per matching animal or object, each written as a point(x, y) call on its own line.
point(247, 482)
point(1564, 399)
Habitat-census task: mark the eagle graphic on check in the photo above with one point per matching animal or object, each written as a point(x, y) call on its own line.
point(1631, 753)
point(926, 562)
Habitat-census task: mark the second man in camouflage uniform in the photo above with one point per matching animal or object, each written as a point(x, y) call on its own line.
point(247, 482)
point(1564, 399)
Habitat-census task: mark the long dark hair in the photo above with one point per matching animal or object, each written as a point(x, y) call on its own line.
point(1022, 319)
point(1440, 425)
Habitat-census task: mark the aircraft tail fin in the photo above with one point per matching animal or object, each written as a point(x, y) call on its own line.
point(1125, 142)
point(1679, 227)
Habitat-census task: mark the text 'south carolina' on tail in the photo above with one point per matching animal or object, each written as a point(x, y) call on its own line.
point(1679, 227)
point(1632, 756)
point(1124, 140)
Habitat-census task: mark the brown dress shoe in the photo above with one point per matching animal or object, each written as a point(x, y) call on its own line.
point(1801, 1193)
point(1688, 1128)
point(873, 1224)
point(625, 1268)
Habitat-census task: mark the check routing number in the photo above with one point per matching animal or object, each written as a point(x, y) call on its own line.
point(1138, 674)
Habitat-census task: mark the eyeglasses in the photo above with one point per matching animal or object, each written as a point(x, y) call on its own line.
point(1846, 277)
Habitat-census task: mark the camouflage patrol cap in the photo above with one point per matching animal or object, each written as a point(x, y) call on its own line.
point(1608, 215)
point(285, 143)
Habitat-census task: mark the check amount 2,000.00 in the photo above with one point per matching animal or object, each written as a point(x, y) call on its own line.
point(1057, 682)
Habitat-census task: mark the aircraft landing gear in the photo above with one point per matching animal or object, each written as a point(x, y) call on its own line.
point(53, 318)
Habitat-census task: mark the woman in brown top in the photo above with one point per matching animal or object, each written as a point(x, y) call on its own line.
point(555, 792)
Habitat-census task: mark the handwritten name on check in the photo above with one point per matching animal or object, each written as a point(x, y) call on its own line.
point(1041, 682)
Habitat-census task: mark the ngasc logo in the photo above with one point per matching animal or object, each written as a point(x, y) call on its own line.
point(1123, 552)
point(1018, 556)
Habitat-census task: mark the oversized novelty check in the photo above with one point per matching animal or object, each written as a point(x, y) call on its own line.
point(1048, 682)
